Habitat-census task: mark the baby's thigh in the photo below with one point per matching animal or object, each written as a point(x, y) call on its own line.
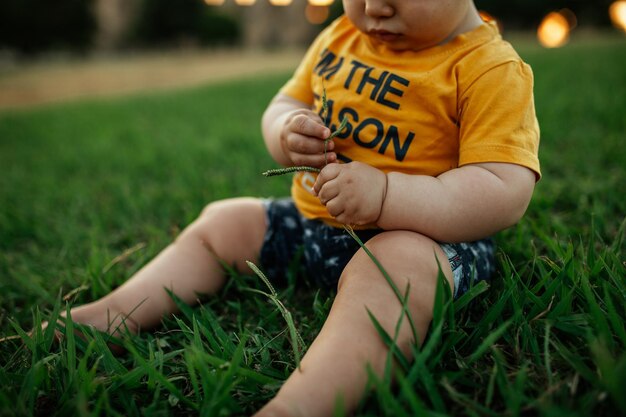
point(232, 229)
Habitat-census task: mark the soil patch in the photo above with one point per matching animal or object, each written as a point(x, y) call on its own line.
point(32, 84)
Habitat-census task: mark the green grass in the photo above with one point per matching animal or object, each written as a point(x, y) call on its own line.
point(83, 184)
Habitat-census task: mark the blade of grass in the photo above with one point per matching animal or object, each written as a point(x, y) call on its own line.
point(261, 275)
point(342, 126)
point(489, 341)
point(408, 393)
point(546, 354)
point(183, 307)
point(479, 288)
point(225, 342)
point(109, 361)
point(132, 378)
point(226, 383)
point(390, 343)
point(612, 371)
point(386, 398)
point(617, 321)
point(289, 170)
point(28, 340)
point(340, 407)
point(598, 316)
point(49, 335)
point(149, 367)
point(70, 342)
point(244, 372)
point(296, 339)
point(575, 361)
point(468, 404)
point(197, 342)
point(443, 306)
point(193, 375)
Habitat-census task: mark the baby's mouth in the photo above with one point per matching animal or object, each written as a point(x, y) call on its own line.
point(384, 35)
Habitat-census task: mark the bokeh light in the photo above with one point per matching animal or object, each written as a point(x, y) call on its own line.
point(245, 2)
point(321, 3)
point(617, 12)
point(553, 30)
point(280, 2)
point(316, 14)
point(214, 2)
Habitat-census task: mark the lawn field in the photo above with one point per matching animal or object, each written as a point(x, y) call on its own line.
point(91, 190)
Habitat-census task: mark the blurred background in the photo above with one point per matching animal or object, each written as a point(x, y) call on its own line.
point(42, 32)
point(85, 26)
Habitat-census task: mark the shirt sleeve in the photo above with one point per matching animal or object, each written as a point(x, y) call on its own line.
point(497, 118)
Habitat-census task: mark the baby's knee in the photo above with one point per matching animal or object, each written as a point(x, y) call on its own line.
point(402, 244)
point(221, 208)
point(398, 248)
point(406, 257)
point(233, 230)
point(216, 215)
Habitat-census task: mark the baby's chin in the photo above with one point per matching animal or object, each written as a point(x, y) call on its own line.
point(399, 42)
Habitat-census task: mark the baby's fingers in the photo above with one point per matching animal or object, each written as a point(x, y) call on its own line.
point(315, 161)
point(299, 143)
point(330, 172)
point(306, 126)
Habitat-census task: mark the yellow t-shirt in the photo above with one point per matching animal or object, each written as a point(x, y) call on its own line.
point(426, 112)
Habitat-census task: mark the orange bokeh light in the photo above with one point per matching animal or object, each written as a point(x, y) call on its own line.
point(617, 12)
point(316, 14)
point(280, 2)
point(321, 3)
point(553, 30)
point(245, 2)
point(214, 2)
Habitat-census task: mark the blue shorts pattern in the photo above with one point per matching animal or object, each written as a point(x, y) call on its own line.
point(318, 252)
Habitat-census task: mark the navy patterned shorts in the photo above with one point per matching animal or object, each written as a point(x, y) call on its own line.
point(295, 246)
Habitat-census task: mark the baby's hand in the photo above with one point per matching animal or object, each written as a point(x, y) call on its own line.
point(302, 139)
point(352, 193)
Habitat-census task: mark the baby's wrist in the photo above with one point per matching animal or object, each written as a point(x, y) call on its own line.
point(383, 198)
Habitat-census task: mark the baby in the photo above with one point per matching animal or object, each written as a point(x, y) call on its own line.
point(439, 153)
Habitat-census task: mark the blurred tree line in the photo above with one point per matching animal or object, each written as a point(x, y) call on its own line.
point(34, 25)
point(161, 21)
point(31, 26)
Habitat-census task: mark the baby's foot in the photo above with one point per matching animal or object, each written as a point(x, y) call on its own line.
point(106, 320)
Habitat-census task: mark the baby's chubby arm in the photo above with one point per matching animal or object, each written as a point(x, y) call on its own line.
point(294, 134)
point(464, 204)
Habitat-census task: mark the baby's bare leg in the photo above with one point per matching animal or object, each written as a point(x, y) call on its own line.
point(231, 230)
point(335, 364)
